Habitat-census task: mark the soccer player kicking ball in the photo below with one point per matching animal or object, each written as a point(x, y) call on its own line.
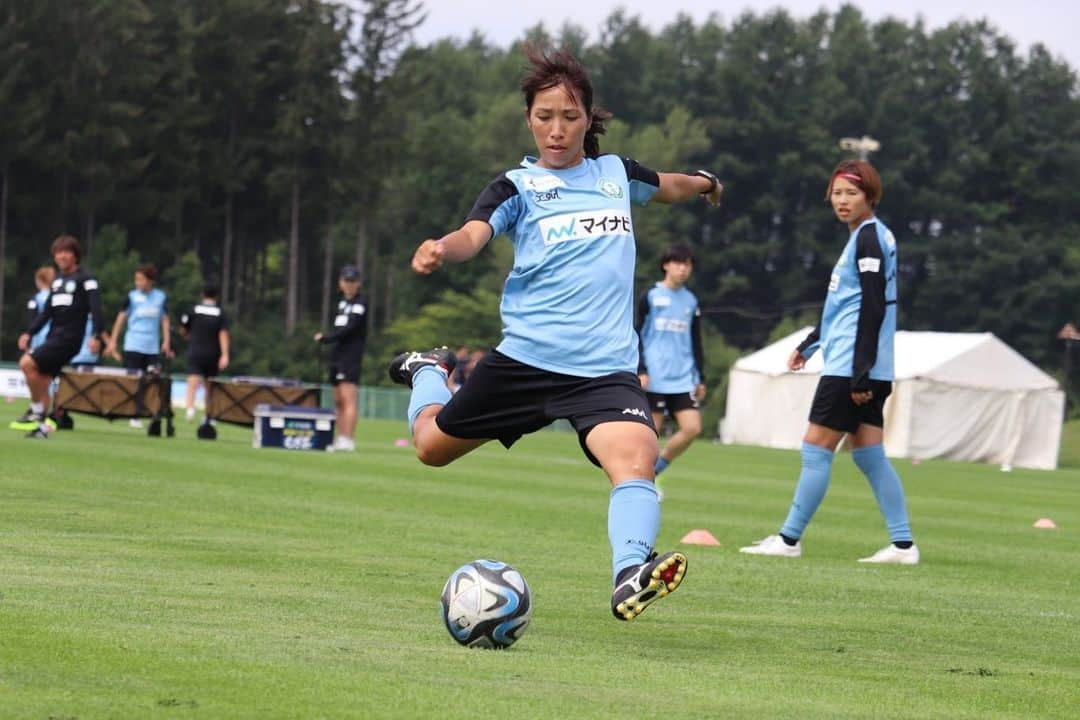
point(72, 298)
point(569, 348)
point(855, 335)
point(672, 364)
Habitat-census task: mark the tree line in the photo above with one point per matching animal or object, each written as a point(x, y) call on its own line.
point(261, 144)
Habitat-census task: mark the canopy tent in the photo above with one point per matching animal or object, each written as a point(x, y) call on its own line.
point(961, 396)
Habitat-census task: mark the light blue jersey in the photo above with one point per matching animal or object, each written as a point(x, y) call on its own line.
point(35, 306)
point(85, 357)
point(144, 313)
point(567, 305)
point(858, 322)
point(669, 325)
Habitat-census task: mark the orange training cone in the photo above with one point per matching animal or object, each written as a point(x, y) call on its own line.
point(699, 537)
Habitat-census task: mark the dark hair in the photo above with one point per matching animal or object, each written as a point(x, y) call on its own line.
point(678, 253)
point(551, 68)
point(148, 271)
point(67, 242)
point(861, 174)
point(210, 291)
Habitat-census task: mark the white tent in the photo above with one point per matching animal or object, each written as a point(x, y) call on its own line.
point(961, 396)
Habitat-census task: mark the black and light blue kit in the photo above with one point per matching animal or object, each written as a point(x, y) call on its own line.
point(144, 312)
point(669, 325)
point(858, 322)
point(567, 304)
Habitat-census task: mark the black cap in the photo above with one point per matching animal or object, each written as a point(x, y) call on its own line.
point(350, 272)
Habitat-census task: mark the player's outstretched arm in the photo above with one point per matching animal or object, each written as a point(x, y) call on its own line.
point(457, 246)
point(677, 187)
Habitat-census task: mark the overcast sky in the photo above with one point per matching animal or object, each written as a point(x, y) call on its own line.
point(1055, 23)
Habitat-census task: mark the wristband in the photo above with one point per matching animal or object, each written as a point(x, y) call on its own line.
point(715, 182)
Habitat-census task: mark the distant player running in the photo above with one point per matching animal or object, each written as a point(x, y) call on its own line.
point(858, 324)
point(72, 298)
point(672, 364)
point(569, 348)
point(207, 330)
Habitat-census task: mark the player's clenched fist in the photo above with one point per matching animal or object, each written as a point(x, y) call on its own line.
point(428, 257)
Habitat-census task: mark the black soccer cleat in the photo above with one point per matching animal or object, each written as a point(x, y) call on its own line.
point(644, 584)
point(404, 366)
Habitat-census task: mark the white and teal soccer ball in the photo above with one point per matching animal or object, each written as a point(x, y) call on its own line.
point(486, 604)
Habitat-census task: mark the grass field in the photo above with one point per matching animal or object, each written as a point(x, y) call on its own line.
point(154, 578)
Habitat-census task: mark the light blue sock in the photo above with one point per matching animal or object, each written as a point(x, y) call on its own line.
point(661, 465)
point(887, 489)
point(633, 522)
point(813, 482)
point(428, 388)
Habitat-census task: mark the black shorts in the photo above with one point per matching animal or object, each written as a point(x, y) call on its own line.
point(833, 407)
point(53, 354)
point(205, 364)
point(504, 399)
point(671, 403)
point(140, 361)
point(344, 371)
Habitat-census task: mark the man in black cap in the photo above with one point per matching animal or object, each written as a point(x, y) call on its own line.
point(346, 357)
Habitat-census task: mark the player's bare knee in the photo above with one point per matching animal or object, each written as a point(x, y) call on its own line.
point(432, 456)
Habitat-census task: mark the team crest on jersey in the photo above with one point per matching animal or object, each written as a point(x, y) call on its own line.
point(610, 188)
point(69, 286)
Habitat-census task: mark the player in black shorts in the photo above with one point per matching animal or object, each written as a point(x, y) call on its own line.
point(569, 349)
point(347, 340)
point(207, 330)
point(73, 296)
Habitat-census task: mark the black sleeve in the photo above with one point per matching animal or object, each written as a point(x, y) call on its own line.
point(127, 303)
point(40, 318)
point(640, 316)
point(354, 328)
point(185, 319)
point(695, 340)
point(811, 339)
point(223, 321)
point(93, 296)
point(495, 194)
point(635, 171)
point(870, 263)
point(32, 311)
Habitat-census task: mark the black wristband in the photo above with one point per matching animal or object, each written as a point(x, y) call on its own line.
point(711, 178)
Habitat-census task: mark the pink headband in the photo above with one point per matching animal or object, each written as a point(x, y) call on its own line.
point(848, 176)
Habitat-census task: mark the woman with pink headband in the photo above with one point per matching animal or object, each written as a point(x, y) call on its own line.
point(855, 335)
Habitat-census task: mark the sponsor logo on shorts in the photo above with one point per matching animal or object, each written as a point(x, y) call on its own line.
point(637, 412)
point(834, 282)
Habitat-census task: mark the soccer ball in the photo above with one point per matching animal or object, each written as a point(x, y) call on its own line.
point(486, 604)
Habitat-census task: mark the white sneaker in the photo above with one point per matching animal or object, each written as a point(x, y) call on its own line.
point(189, 414)
point(136, 423)
point(890, 554)
point(344, 444)
point(773, 545)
